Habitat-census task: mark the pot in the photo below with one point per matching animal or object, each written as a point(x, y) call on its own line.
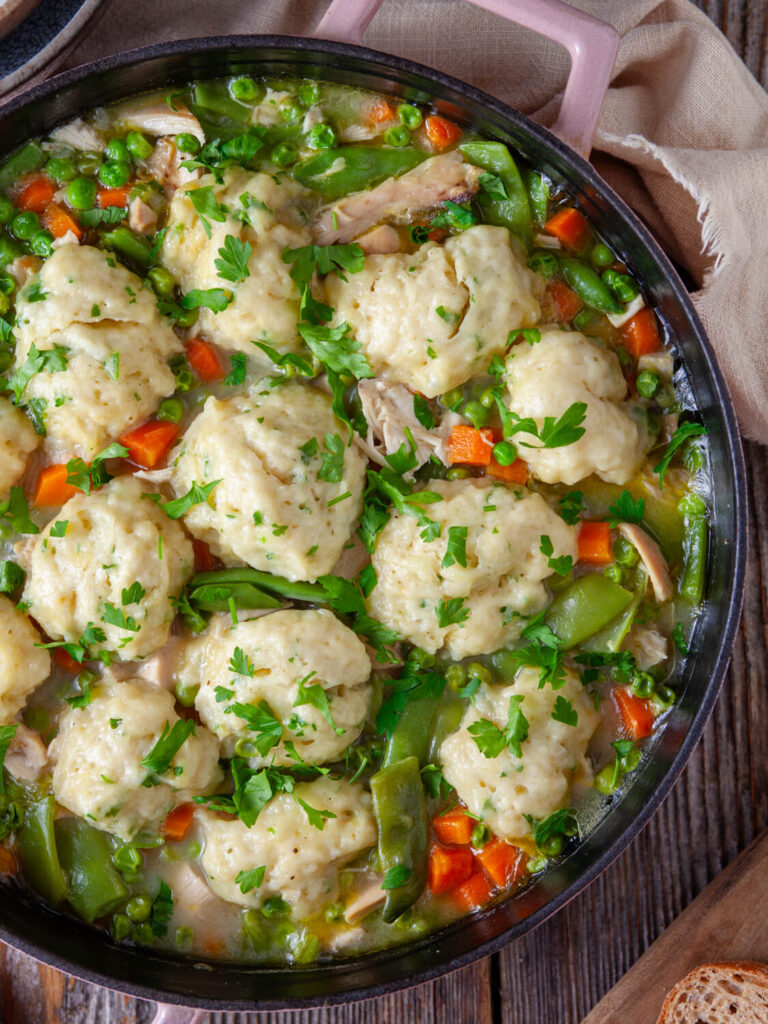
point(175, 981)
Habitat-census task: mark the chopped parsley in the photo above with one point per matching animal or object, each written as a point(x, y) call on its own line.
point(259, 719)
point(52, 360)
point(423, 412)
point(626, 510)
point(236, 375)
point(332, 459)
point(252, 879)
point(215, 299)
point(171, 739)
point(196, 495)
point(683, 432)
point(571, 506)
point(564, 711)
point(316, 696)
point(456, 548)
point(491, 740)
point(451, 611)
point(241, 664)
point(206, 206)
point(396, 876)
point(232, 261)
point(562, 565)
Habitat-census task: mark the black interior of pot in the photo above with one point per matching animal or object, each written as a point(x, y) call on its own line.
point(79, 949)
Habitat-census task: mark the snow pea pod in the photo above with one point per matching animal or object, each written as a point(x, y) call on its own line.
point(514, 212)
point(24, 160)
point(215, 97)
point(411, 735)
point(295, 591)
point(95, 888)
point(447, 719)
point(338, 172)
point(585, 607)
point(538, 195)
point(695, 545)
point(37, 848)
point(127, 244)
point(400, 809)
point(216, 597)
point(589, 286)
point(612, 636)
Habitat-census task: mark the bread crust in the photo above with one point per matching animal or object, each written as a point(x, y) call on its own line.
point(708, 995)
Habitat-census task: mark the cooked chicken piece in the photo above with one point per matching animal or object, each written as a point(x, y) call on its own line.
point(69, 238)
point(397, 199)
point(365, 901)
point(78, 135)
point(346, 939)
point(619, 319)
point(159, 668)
point(648, 646)
point(160, 119)
point(351, 560)
point(313, 116)
point(662, 363)
point(141, 218)
point(389, 410)
point(22, 268)
point(652, 558)
point(382, 239)
point(165, 164)
point(26, 757)
point(547, 241)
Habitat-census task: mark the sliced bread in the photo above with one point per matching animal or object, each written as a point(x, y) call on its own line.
point(728, 993)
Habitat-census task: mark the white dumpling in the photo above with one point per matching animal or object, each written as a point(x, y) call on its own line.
point(114, 347)
point(17, 440)
point(98, 750)
point(23, 665)
point(434, 318)
point(276, 652)
point(502, 790)
point(302, 862)
point(266, 303)
point(113, 539)
point(564, 367)
point(272, 508)
point(502, 582)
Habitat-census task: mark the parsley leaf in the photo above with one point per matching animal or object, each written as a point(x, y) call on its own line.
point(571, 505)
point(456, 549)
point(378, 636)
point(161, 910)
point(491, 740)
point(14, 512)
point(412, 685)
point(683, 432)
point(232, 262)
point(422, 412)
point(564, 431)
point(252, 879)
point(259, 719)
point(111, 215)
point(450, 318)
point(53, 360)
point(241, 664)
point(316, 817)
point(316, 696)
point(7, 732)
point(207, 207)
point(133, 594)
point(87, 478)
point(236, 375)
point(626, 510)
point(564, 712)
point(12, 577)
point(332, 464)
point(456, 217)
point(547, 659)
point(492, 185)
point(215, 299)
point(559, 823)
point(336, 349)
point(323, 258)
point(435, 783)
point(342, 595)
point(677, 637)
point(396, 876)
point(562, 565)
point(304, 367)
point(223, 693)
point(531, 334)
point(196, 495)
point(451, 611)
point(538, 632)
point(83, 698)
point(171, 739)
point(117, 617)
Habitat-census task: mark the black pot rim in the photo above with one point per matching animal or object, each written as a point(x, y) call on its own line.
point(730, 612)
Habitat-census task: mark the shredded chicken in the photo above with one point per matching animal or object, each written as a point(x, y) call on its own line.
point(365, 901)
point(165, 164)
point(161, 119)
point(26, 757)
point(313, 116)
point(618, 319)
point(141, 218)
point(155, 476)
point(69, 238)
point(652, 558)
point(397, 199)
point(78, 135)
point(547, 241)
point(381, 239)
point(648, 646)
point(389, 410)
point(159, 668)
point(22, 268)
point(352, 559)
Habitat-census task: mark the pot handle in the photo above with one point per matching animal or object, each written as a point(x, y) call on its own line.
point(592, 44)
point(167, 1014)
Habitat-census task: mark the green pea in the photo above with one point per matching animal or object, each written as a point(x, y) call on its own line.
point(422, 658)
point(643, 684)
point(24, 225)
point(275, 907)
point(127, 859)
point(536, 864)
point(88, 163)
point(41, 243)
point(138, 146)
point(584, 320)
point(648, 383)
point(476, 413)
point(143, 933)
point(245, 747)
point(186, 318)
point(553, 846)
point(244, 89)
point(614, 572)
point(6, 209)
point(60, 169)
point(139, 908)
point(171, 410)
point(307, 949)
point(162, 281)
point(601, 255)
point(5, 307)
point(622, 285)
point(663, 697)
point(81, 193)
point(253, 928)
point(184, 937)
point(605, 780)
point(308, 94)
point(334, 912)
point(544, 263)
point(121, 927)
point(398, 135)
point(452, 399)
point(192, 851)
point(488, 398)
point(481, 835)
point(114, 173)
point(455, 676)
point(186, 693)
point(187, 143)
point(624, 552)
point(322, 136)
point(505, 453)
point(116, 149)
point(284, 934)
point(284, 154)
point(290, 113)
point(410, 116)
point(7, 284)
point(457, 473)
point(476, 670)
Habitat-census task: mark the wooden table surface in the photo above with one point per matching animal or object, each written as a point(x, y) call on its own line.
point(556, 974)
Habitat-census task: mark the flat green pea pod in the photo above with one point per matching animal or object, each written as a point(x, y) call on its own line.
point(217, 597)
point(613, 635)
point(215, 97)
point(37, 849)
point(411, 734)
point(447, 720)
point(400, 809)
point(538, 195)
point(585, 607)
point(338, 172)
point(24, 160)
point(125, 243)
point(695, 546)
point(589, 286)
point(514, 212)
point(94, 886)
point(294, 591)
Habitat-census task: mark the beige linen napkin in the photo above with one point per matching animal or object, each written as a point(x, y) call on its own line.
point(683, 134)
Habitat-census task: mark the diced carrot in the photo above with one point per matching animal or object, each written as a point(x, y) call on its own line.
point(594, 543)
point(636, 713)
point(204, 560)
point(641, 333)
point(454, 827)
point(149, 444)
point(470, 447)
point(449, 866)
point(567, 303)
point(114, 196)
point(52, 487)
point(475, 892)
point(381, 111)
point(58, 221)
point(65, 661)
point(570, 227)
point(516, 473)
point(8, 863)
point(204, 360)
point(176, 825)
point(441, 132)
point(504, 863)
point(437, 234)
point(35, 194)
